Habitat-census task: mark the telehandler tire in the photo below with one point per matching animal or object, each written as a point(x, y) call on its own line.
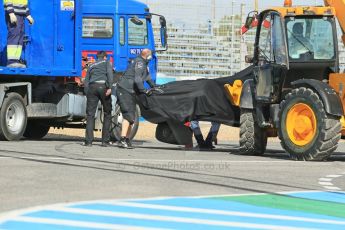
point(13, 117)
point(306, 131)
point(35, 131)
point(253, 139)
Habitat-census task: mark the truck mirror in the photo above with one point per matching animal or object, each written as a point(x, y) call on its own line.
point(162, 21)
point(249, 21)
point(136, 21)
point(164, 35)
point(164, 32)
point(249, 59)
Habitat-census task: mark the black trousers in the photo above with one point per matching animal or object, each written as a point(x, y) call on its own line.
point(96, 93)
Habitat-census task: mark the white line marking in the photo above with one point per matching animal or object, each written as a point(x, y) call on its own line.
point(12, 214)
point(332, 188)
point(326, 179)
point(326, 183)
point(174, 219)
point(222, 212)
point(78, 223)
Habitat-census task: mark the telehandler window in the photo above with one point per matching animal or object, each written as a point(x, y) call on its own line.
point(98, 27)
point(265, 53)
point(310, 39)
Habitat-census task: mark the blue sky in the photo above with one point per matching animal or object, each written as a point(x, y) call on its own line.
point(200, 11)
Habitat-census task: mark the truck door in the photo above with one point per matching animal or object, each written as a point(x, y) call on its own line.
point(140, 36)
point(50, 42)
point(135, 34)
point(65, 46)
point(271, 58)
point(121, 60)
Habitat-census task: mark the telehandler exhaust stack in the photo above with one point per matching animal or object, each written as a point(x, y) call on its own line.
point(287, 3)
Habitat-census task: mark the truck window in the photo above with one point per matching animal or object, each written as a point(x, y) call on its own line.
point(98, 27)
point(311, 36)
point(122, 31)
point(137, 34)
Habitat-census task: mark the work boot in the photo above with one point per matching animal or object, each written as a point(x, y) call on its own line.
point(123, 143)
point(129, 143)
point(105, 144)
point(16, 65)
point(86, 144)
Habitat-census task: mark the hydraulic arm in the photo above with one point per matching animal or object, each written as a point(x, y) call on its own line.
point(339, 6)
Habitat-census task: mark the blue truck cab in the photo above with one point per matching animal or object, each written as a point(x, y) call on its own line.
point(65, 37)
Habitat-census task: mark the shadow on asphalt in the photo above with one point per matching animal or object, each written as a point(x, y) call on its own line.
point(116, 168)
point(73, 139)
point(337, 156)
point(231, 149)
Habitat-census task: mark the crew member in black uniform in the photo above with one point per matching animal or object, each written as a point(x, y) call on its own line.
point(98, 83)
point(129, 85)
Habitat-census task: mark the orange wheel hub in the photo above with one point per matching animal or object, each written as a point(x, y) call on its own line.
point(301, 124)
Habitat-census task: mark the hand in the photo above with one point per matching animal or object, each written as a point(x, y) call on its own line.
point(148, 92)
point(108, 92)
point(30, 19)
point(13, 18)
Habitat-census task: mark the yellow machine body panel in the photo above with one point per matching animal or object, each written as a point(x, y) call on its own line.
point(305, 10)
point(337, 82)
point(339, 7)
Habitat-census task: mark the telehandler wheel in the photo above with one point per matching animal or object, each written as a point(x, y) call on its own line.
point(13, 117)
point(35, 131)
point(116, 124)
point(253, 139)
point(306, 131)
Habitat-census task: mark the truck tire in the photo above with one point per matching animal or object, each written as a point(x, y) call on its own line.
point(13, 117)
point(116, 126)
point(35, 131)
point(165, 134)
point(306, 131)
point(253, 139)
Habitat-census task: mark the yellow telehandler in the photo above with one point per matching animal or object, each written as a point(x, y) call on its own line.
point(297, 92)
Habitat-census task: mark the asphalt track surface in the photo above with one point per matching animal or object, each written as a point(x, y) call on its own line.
point(58, 184)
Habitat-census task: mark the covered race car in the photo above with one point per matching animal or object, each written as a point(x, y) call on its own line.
point(184, 101)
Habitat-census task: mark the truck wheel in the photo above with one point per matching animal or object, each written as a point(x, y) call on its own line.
point(306, 131)
point(13, 117)
point(164, 134)
point(116, 126)
point(253, 139)
point(35, 131)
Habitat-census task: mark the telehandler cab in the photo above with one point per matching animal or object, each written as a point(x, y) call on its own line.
point(297, 92)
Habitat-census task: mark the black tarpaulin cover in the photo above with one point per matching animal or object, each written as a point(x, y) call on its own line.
point(203, 100)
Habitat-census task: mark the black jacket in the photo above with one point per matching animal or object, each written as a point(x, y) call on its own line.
point(135, 76)
point(100, 71)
